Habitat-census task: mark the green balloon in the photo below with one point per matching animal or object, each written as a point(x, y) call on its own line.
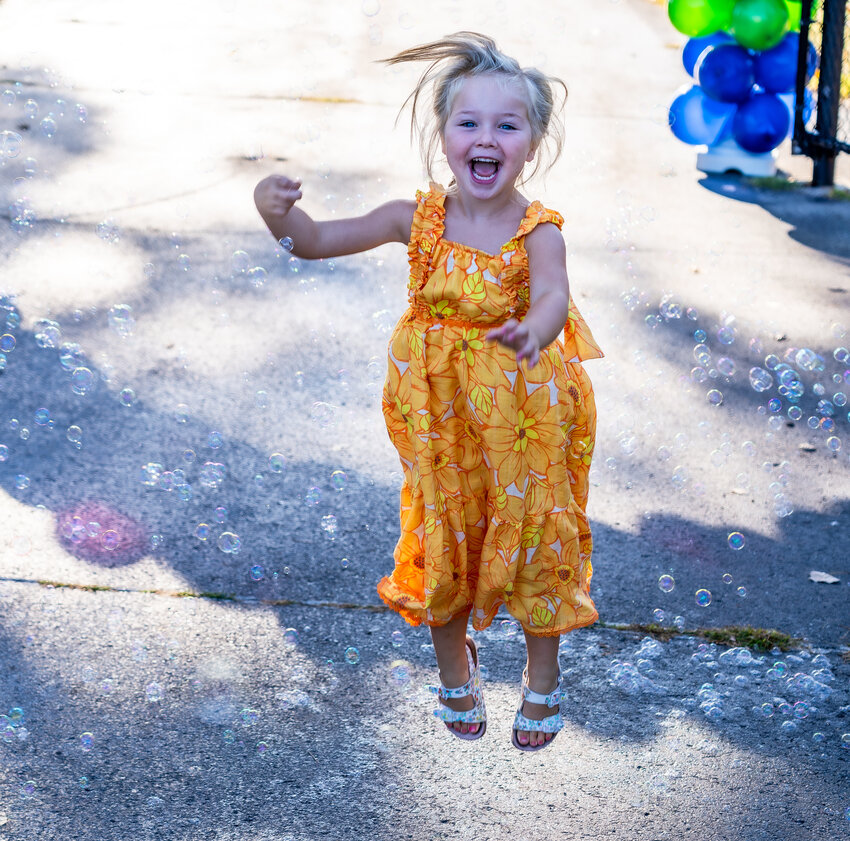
point(759, 24)
point(795, 14)
point(696, 18)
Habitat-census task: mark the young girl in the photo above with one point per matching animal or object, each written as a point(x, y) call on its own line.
point(485, 399)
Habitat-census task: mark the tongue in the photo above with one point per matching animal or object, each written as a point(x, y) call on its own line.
point(484, 168)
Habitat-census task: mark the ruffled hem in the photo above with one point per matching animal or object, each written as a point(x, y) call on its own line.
point(416, 617)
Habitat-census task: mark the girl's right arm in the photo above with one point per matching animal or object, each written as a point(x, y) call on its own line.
point(276, 195)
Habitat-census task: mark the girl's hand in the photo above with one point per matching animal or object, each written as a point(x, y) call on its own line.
point(275, 195)
point(517, 336)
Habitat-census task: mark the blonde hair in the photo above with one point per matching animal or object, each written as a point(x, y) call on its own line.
point(453, 60)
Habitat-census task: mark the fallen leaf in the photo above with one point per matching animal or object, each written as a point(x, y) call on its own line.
point(822, 577)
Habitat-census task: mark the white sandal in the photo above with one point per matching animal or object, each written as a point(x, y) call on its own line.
point(551, 724)
point(478, 714)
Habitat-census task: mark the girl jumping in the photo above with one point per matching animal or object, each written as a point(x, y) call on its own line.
point(485, 398)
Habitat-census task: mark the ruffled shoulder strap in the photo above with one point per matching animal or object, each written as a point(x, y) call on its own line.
point(535, 215)
point(425, 231)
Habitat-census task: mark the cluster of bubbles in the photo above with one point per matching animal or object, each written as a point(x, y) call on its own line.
point(13, 726)
point(792, 689)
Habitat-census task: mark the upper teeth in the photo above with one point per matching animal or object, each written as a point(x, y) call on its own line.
point(486, 160)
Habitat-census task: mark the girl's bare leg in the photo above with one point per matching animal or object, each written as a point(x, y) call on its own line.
point(542, 677)
point(450, 646)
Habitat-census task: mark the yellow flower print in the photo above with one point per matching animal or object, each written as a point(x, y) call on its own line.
point(442, 309)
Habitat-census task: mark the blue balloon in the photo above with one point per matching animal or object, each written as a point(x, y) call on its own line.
point(727, 73)
point(761, 123)
point(697, 46)
point(698, 119)
point(776, 69)
point(812, 61)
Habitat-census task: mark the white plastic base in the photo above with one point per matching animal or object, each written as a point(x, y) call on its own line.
point(728, 156)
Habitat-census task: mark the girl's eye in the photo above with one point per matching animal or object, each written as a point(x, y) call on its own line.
point(508, 126)
point(467, 124)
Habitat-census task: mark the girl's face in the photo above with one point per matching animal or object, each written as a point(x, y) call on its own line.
point(487, 138)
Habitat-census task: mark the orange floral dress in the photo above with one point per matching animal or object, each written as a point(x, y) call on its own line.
point(495, 456)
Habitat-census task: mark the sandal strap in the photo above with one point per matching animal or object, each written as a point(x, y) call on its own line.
point(550, 724)
point(468, 687)
point(553, 699)
point(477, 715)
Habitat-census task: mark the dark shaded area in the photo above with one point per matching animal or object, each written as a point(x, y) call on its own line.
point(817, 221)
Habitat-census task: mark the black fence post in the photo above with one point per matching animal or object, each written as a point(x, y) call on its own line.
point(829, 89)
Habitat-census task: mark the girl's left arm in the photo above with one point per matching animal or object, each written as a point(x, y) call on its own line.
point(550, 296)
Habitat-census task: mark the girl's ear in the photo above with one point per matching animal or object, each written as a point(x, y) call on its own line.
point(531, 152)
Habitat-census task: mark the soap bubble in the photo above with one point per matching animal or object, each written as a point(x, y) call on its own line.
point(108, 231)
point(22, 481)
point(352, 656)
point(286, 243)
point(110, 540)
point(82, 380)
point(212, 474)
point(703, 598)
point(7, 343)
point(290, 636)
point(10, 145)
point(760, 379)
point(86, 741)
point(127, 397)
point(338, 479)
point(261, 399)
point(727, 579)
point(249, 717)
point(742, 592)
point(726, 335)
point(120, 318)
point(726, 366)
point(700, 336)
point(736, 540)
point(658, 614)
point(397, 638)
point(229, 543)
point(257, 573)
point(313, 496)
point(323, 414)
point(220, 514)
point(182, 413)
point(4, 453)
point(509, 628)
point(329, 524)
point(371, 7)
point(48, 333)
point(714, 397)
point(215, 440)
point(666, 583)
point(240, 262)
point(28, 789)
point(400, 673)
point(257, 276)
point(345, 563)
point(153, 692)
point(277, 462)
point(42, 416)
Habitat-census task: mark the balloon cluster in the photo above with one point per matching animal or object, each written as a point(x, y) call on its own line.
point(743, 56)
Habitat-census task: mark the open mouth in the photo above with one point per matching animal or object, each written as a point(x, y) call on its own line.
point(484, 170)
